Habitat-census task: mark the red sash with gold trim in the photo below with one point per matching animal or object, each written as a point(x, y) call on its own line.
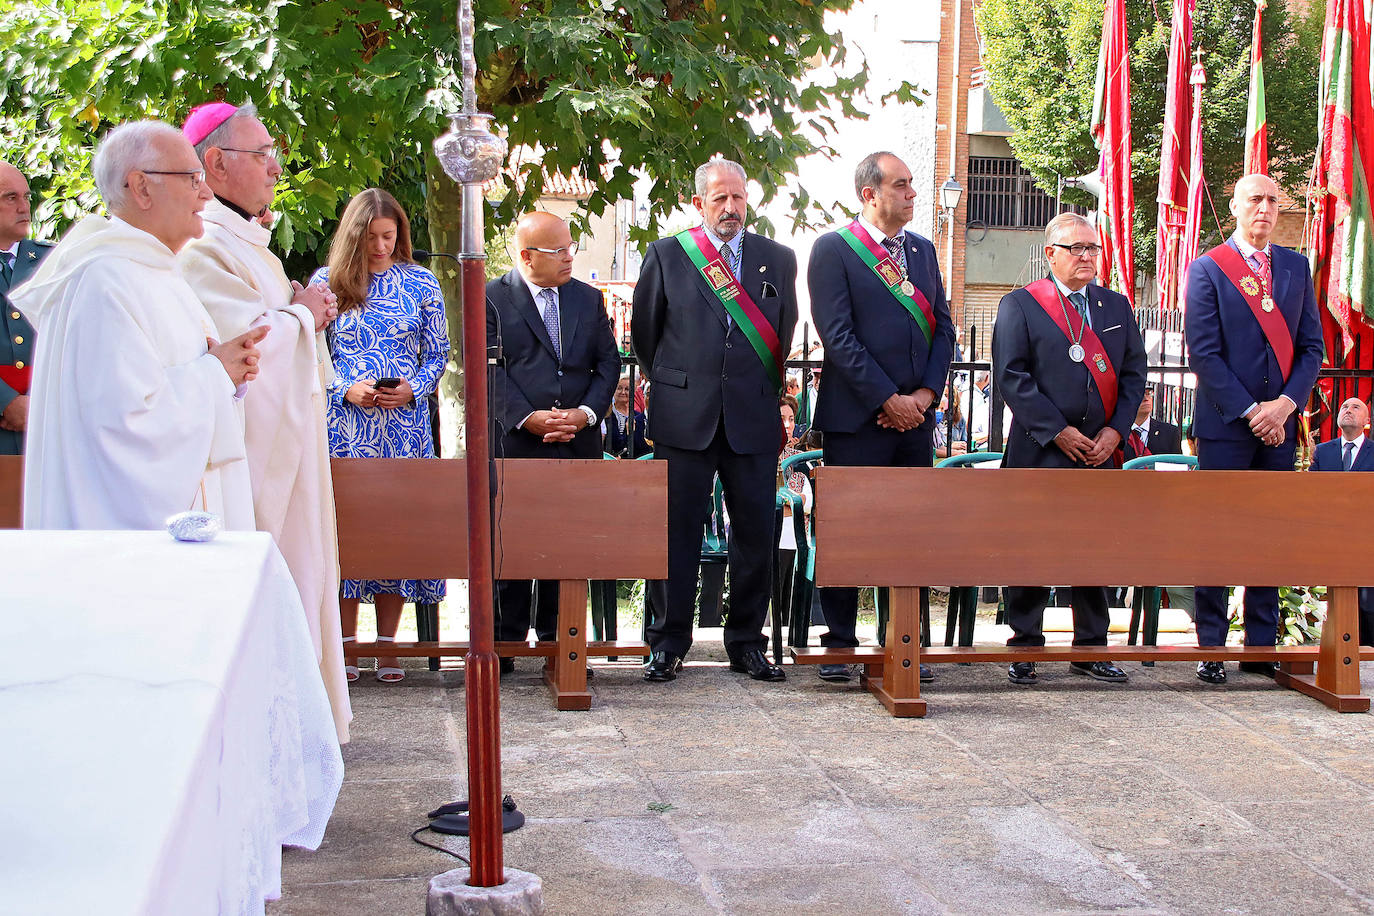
point(1095, 357)
point(17, 378)
point(1251, 288)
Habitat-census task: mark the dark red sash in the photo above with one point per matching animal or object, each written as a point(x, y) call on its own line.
point(1251, 288)
point(16, 378)
point(1095, 355)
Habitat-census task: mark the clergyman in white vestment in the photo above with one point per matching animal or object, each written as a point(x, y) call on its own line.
point(133, 415)
point(242, 285)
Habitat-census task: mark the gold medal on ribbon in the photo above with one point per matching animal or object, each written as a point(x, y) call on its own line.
point(1267, 304)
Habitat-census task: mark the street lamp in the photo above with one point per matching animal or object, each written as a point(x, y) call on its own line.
point(950, 192)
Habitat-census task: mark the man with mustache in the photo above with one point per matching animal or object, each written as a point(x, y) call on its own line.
point(881, 312)
point(713, 315)
point(1255, 342)
point(19, 257)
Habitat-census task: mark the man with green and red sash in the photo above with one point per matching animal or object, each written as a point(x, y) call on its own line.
point(1254, 340)
point(1070, 363)
point(712, 319)
point(880, 309)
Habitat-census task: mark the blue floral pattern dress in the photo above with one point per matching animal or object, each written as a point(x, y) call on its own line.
point(399, 332)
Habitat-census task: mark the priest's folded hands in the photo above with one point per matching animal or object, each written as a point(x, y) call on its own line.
point(240, 355)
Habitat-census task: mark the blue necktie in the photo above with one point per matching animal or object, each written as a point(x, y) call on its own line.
point(551, 320)
point(5, 270)
point(1349, 458)
point(1080, 302)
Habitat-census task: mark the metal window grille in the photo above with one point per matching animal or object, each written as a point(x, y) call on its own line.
point(1002, 195)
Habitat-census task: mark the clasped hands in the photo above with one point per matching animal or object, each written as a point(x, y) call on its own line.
point(905, 411)
point(1268, 418)
point(1092, 452)
point(320, 299)
point(556, 425)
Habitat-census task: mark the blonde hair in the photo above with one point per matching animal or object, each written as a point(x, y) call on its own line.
point(348, 273)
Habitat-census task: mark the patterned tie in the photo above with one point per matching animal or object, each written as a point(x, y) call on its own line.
point(1080, 302)
point(5, 270)
point(1260, 262)
point(1137, 442)
point(551, 320)
point(731, 260)
point(1349, 457)
point(894, 248)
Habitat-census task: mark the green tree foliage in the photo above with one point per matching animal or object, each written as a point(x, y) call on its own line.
point(1042, 60)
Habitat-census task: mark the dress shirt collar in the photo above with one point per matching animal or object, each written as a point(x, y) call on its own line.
point(536, 290)
point(878, 234)
point(1358, 442)
point(1247, 250)
point(13, 252)
point(1144, 427)
point(1066, 291)
point(733, 244)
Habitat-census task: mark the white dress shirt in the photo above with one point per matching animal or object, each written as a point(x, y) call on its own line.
point(542, 306)
point(1358, 442)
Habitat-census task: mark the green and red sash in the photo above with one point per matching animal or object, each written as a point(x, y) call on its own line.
point(1064, 315)
point(762, 337)
point(1271, 321)
point(879, 260)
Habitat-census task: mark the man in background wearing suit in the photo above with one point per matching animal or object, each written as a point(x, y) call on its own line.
point(1071, 364)
point(712, 321)
point(881, 313)
point(19, 258)
point(1255, 342)
point(1149, 436)
point(1351, 452)
point(553, 386)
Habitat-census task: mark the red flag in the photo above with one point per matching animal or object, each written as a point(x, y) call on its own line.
point(1173, 164)
point(1192, 228)
point(1111, 129)
point(1256, 122)
point(1341, 234)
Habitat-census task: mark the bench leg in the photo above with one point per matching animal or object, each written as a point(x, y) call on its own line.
point(1337, 681)
point(900, 687)
point(567, 678)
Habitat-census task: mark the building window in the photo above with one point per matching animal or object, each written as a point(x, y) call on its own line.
point(1002, 195)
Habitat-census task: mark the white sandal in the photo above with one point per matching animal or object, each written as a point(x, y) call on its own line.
point(389, 675)
point(350, 671)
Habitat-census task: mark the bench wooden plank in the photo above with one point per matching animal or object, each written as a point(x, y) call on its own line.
point(11, 491)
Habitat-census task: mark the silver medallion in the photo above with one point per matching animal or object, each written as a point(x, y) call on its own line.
point(1268, 304)
point(1076, 353)
point(908, 288)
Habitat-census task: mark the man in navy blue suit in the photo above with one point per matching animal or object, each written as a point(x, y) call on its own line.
point(1070, 363)
point(881, 312)
point(1254, 341)
point(712, 320)
point(1351, 452)
point(553, 386)
point(1149, 436)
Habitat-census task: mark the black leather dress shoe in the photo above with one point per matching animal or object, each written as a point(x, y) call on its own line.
point(927, 675)
point(1022, 673)
point(837, 674)
point(662, 667)
point(507, 665)
point(755, 664)
point(1212, 672)
point(1267, 669)
point(1102, 671)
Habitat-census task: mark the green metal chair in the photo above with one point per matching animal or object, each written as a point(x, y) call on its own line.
point(798, 611)
point(1146, 600)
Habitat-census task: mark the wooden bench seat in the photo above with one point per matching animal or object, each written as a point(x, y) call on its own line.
point(907, 528)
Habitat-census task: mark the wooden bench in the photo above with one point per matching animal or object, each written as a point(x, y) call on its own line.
point(905, 528)
point(565, 520)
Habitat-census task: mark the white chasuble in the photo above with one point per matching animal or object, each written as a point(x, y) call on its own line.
point(132, 420)
point(242, 285)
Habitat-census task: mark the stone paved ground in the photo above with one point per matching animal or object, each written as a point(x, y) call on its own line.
point(719, 795)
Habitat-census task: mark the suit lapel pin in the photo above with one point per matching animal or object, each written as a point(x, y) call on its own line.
point(33, 256)
point(763, 268)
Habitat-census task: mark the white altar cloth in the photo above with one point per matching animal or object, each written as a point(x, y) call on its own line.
point(165, 724)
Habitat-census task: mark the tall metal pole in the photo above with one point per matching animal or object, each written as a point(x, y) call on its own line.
point(471, 154)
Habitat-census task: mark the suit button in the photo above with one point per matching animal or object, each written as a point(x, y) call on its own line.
point(19, 364)
point(557, 403)
point(729, 346)
point(560, 373)
point(14, 314)
point(724, 377)
point(18, 339)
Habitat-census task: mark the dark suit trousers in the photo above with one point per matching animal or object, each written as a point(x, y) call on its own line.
point(870, 446)
point(1026, 614)
point(514, 597)
point(748, 484)
point(1261, 604)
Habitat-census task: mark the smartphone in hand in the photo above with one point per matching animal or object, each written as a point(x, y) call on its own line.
point(386, 383)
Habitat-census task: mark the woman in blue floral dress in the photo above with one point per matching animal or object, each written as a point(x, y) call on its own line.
point(391, 328)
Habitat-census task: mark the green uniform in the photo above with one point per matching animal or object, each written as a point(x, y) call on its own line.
point(16, 341)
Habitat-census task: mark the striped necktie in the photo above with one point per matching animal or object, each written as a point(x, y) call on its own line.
point(551, 320)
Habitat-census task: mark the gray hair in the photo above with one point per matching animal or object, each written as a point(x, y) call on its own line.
point(220, 135)
point(1061, 223)
point(869, 173)
point(121, 151)
point(704, 172)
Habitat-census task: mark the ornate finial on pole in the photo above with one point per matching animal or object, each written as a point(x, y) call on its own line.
point(471, 155)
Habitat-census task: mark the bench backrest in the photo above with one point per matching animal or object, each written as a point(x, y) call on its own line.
point(928, 526)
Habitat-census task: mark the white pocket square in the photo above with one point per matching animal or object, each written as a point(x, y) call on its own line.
point(1115, 327)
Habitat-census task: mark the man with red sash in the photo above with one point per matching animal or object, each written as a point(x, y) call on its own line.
point(1254, 340)
point(19, 258)
point(880, 309)
point(712, 320)
point(1070, 364)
